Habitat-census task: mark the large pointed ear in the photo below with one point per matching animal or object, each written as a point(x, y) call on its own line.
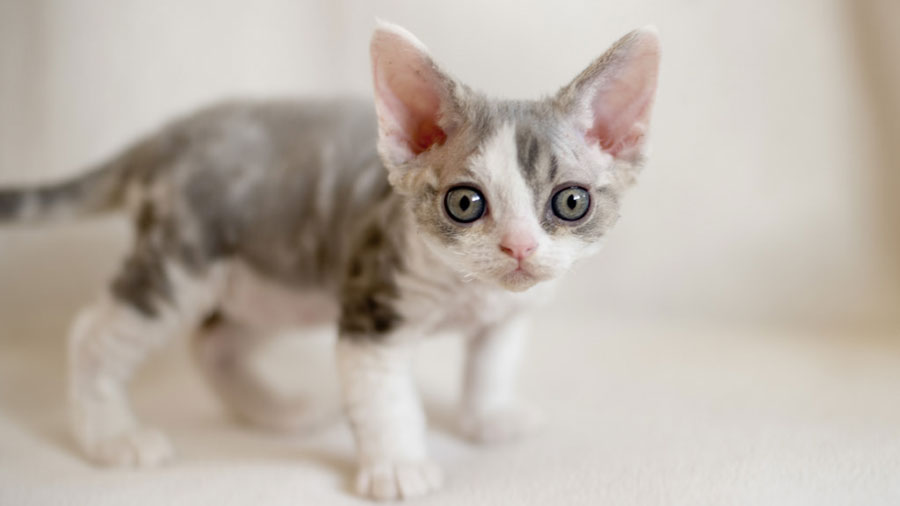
point(413, 97)
point(611, 100)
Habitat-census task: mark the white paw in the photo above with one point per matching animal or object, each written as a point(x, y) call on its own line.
point(398, 480)
point(501, 425)
point(140, 447)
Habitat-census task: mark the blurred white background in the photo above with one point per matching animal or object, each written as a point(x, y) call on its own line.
point(768, 198)
point(736, 343)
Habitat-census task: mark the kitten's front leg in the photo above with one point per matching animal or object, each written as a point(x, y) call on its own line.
point(490, 412)
point(386, 418)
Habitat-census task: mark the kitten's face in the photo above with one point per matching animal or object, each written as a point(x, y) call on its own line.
point(517, 204)
point(512, 192)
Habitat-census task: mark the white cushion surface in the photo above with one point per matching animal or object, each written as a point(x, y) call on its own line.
point(637, 414)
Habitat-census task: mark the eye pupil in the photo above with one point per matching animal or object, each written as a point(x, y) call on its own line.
point(464, 204)
point(571, 201)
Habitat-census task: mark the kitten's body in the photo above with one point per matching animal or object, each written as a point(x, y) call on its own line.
point(286, 198)
point(254, 217)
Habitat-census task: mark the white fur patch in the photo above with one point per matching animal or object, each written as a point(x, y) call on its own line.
point(510, 198)
point(261, 304)
point(387, 419)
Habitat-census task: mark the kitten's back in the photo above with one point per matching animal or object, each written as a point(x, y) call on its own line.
point(280, 184)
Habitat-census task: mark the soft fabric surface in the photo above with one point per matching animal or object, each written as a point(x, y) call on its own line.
point(637, 414)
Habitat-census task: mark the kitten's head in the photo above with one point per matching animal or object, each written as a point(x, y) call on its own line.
point(512, 192)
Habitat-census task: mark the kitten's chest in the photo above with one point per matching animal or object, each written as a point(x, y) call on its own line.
point(471, 307)
point(469, 314)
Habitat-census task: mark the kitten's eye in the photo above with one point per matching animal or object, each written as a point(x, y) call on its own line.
point(464, 204)
point(571, 203)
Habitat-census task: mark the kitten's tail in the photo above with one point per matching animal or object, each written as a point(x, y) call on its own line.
point(101, 189)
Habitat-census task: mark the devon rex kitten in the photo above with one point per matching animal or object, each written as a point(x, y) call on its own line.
point(455, 213)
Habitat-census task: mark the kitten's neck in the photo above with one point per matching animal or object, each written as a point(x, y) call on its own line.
point(422, 257)
point(424, 260)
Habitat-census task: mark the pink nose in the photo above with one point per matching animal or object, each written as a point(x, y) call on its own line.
point(518, 246)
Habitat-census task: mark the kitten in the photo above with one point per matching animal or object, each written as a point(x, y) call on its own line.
point(455, 213)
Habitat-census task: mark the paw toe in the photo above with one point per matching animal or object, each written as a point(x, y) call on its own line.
point(402, 480)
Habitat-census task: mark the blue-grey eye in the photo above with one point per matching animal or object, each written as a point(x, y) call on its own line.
point(464, 204)
point(571, 203)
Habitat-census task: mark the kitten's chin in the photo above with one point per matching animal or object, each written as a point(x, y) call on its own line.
point(518, 280)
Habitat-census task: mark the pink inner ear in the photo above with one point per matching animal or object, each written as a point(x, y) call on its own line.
point(408, 90)
point(425, 136)
point(620, 122)
point(622, 100)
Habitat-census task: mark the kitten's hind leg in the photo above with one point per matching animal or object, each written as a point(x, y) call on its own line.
point(151, 300)
point(224, 350)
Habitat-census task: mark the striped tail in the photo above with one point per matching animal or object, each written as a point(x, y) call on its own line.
point(100, 190)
